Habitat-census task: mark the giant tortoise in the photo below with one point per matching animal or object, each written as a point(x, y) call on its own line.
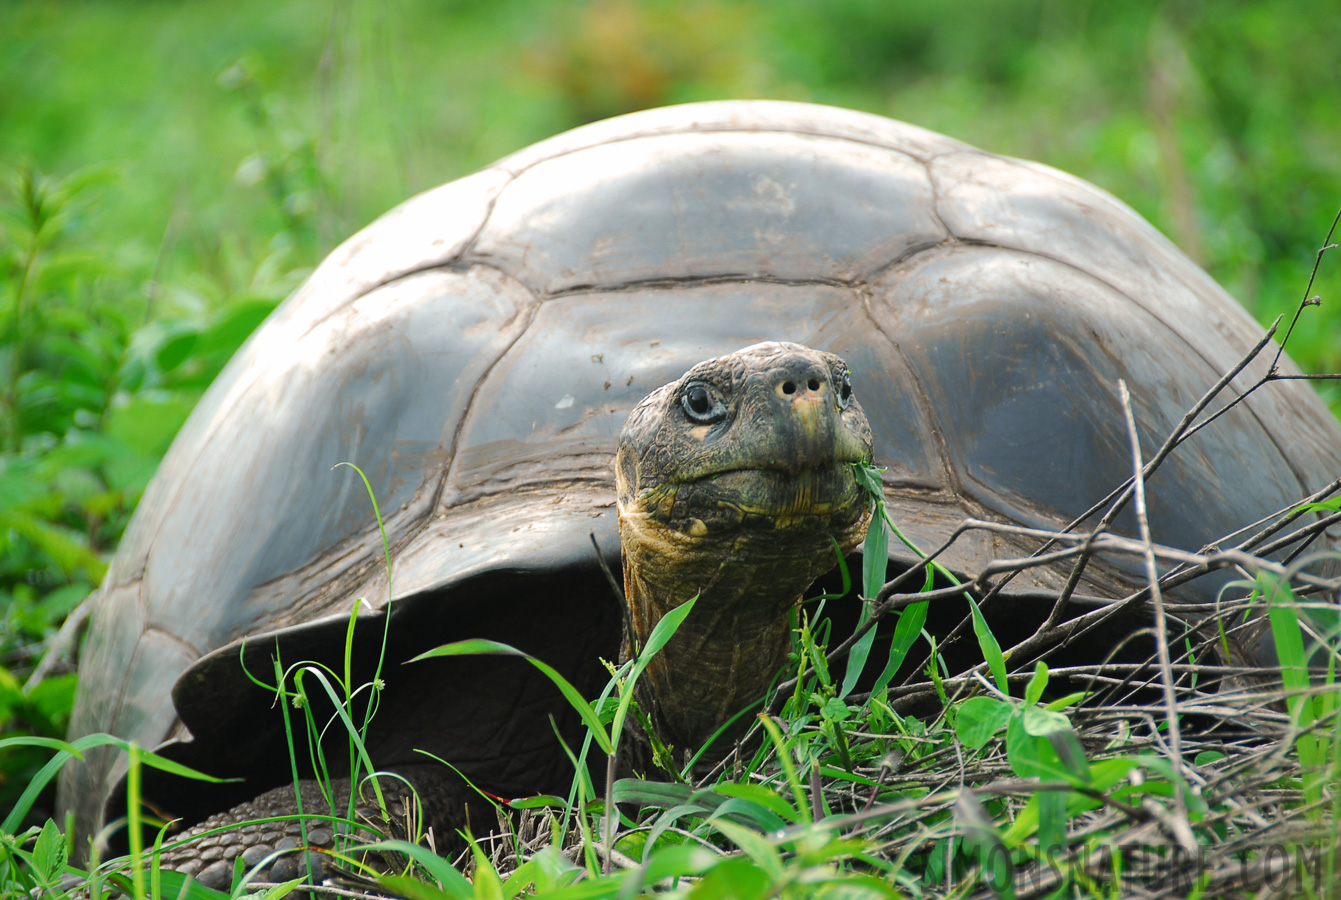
point(477, 350)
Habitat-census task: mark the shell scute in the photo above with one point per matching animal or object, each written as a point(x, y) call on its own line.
point(786, 207)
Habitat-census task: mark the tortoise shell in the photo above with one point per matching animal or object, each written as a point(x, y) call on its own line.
point(477, 349)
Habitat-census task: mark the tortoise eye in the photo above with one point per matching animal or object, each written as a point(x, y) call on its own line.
point(701, 403)
point(845, 390)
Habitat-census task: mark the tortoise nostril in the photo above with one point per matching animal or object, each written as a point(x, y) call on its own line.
point(802, 384)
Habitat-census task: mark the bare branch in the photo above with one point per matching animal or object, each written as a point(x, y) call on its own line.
point(1157, 600)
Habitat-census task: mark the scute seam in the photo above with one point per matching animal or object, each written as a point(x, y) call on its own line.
point(1249, 408)
point(176, 639)
point(951, 479)
point(468, 411)
point(672, 282)
point(450, 262)
point(805, 132)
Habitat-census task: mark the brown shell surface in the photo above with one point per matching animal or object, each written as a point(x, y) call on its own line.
point(476, 350)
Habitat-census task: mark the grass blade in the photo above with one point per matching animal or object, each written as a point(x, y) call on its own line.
point(906, 631)
point(663, 632)
point(75, 748)
point(875, 559)
point(991, 650)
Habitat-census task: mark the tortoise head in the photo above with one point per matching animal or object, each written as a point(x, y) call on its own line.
point(761, 439)
point(734, 482)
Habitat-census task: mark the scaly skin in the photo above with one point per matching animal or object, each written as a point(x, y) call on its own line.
point(446, 804)
point(739, 506)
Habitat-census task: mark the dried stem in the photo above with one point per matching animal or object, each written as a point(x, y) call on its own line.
point(1157, 601)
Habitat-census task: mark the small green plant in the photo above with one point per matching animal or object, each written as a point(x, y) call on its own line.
point(91, 394)
point(1308, 675)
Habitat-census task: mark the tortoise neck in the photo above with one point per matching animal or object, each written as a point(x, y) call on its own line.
point(726, 654)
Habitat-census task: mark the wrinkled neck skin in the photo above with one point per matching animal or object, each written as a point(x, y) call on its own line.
point(726, 654)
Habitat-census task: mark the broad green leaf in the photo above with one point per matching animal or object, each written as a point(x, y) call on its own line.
point(673, 861)
point(835, 710)
point(552, 870)
point(1041, 722)
point(868, 479)
point(523, 880)
point(412, 888)
point(21, 483)
point(49, 851)
point(738, 802)
point(147, 425)
point(1105, 775)
point(1030, 756)
point(590, 889)
point(978, 718)
point(822, 885)
point(63, 546)
point(1026, 825)
point(665, 820)
point(1041, 743)
point(1070, 754)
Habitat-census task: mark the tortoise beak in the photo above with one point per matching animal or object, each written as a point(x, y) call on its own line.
point(809, 430)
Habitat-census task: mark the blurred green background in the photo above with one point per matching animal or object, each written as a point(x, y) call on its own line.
point(171, 170)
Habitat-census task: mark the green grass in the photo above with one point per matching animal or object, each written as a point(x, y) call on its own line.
point(841, 795)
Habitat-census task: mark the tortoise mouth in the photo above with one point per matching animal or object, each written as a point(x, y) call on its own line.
point(795, 470)
point(776, 492)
